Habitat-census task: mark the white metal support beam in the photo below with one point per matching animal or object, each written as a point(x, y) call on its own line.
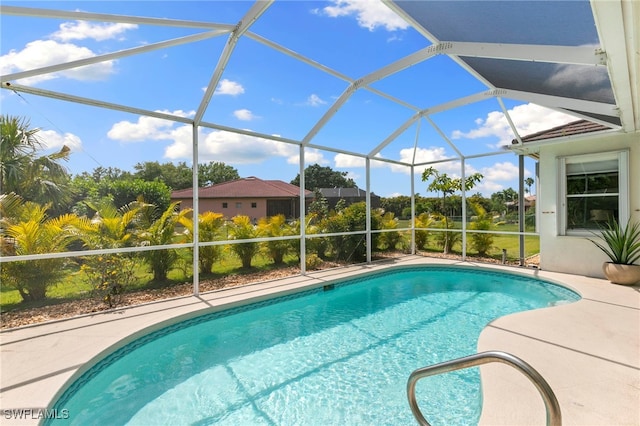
point(617, 23)
point(401, 64)
point(377, 75)
point(559, 102)
point(509, 120)
point(477, 97)
point(258, 8)
point(111, 56)
point(394, 135)
point(344, 97)
point(299, 57)
point(94, 102)
point(577, 55)
point(196, 208)
point(443, 136)
point(105, 17)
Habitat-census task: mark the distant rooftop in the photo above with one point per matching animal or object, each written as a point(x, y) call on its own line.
point(249, 187)
point(344, 192)
point(574, 128)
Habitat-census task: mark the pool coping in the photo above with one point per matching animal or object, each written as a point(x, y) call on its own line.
point(590, 353)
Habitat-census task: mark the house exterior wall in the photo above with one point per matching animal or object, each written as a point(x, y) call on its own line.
point(575, 254)
point(235, 206)
point(243, 206)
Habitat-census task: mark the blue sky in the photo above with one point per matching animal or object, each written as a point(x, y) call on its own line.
point(261, 90)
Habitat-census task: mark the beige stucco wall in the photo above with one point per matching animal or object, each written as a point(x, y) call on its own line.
point(574, 254)
point(245, 208)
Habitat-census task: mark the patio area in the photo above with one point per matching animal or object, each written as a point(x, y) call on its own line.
point(588, 351)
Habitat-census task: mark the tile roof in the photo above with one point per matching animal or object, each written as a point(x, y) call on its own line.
point(574, 128)
point(250, 187)
point(344, 192)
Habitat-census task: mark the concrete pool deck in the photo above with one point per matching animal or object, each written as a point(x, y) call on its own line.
point(589, 351)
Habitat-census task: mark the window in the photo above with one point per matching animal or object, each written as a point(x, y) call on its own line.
point(594, 189)
point(225, 205)
point(254, 205)
point(238, 205)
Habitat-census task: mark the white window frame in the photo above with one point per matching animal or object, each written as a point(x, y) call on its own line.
point(622, 158)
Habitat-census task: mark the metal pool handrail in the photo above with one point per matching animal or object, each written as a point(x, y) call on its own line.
point(554, 418)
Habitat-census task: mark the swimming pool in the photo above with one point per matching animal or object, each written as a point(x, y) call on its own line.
point(335, 355)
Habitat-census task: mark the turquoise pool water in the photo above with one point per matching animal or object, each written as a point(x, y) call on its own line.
point(335, 356)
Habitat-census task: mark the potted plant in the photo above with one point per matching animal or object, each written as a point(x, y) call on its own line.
point(622, 245)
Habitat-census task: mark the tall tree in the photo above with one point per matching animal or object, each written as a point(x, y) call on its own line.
point(441, 182)
point(23, 171)
point(529, 181)
point(174, 176)
point(216, 172)
point(179, 176)
point(316, 176)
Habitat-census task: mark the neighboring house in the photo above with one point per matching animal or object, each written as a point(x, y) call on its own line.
point(587, 174)
point(349, 195)
point(249, 196)
point(529, 201)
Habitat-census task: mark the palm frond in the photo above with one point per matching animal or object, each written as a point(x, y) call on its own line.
point(621, 245)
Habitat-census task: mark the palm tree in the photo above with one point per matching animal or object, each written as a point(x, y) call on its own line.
point(443, 183)
point(529, 181)
point(276, 226)
point(109, 275)
point(423, 220)
point(159, 232)
point(41, 179)
point(112, 227)
point(31, 231)
point(210, 226)
point(390, 239)
point(242, 229)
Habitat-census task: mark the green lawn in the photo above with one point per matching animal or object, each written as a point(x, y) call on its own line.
point(509, 242)
point(75, 285)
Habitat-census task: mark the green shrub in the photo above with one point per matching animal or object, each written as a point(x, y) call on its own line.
point(481, 242)
point(276, 226)
point(424, 220)
point(242, 229)
point(352, 218)
point(31, 231)
point(109, 276)
point(313, 262)
point(389, 240)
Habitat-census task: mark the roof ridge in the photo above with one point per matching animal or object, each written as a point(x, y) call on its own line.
point(541, 132)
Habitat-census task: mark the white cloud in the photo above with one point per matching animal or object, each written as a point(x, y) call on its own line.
point(244, 115)
point(587, 81)
point(528, 118)
point(345, 160)
point(52, 140)
point(314, 100)
point(487, 187)
point(56, 50)
point(351, 161)
point(146, 128)
point(228, 87)
point(422, 155)
point(311, 156)
point(504, 172)
point(234, 148)
point(80, 30)
point(369, 14)
point(42, 53)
